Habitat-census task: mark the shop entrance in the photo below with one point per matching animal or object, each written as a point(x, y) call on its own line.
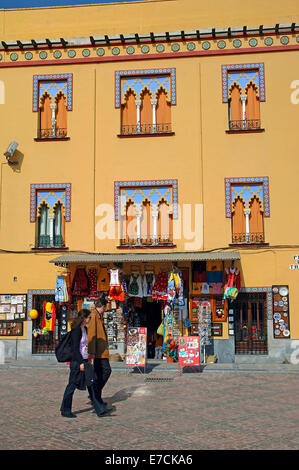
point(152, 321)
point(44, 343)
point(148, 314)
point(250, 324)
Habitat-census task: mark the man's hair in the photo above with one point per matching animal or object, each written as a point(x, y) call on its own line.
point(101, 302)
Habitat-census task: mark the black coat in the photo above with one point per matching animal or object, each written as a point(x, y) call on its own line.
point(76, 338)
point(78, 377)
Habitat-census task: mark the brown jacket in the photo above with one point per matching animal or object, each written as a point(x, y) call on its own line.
point(97, 336)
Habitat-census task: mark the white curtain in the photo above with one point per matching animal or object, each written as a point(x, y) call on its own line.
point(44, 225)
point(58, 222)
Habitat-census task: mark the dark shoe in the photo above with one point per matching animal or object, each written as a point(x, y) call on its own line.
point(68, 414)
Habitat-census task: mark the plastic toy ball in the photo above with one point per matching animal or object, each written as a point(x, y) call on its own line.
point(33, 314)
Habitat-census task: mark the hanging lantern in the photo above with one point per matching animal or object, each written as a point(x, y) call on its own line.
point(33, 314)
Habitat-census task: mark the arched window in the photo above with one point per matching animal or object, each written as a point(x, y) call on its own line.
point(45, 117)
point(131, 223)
point(145, 101)
point(50, 227)
point(129, 114)
point(252, 106)
point(43, 227)
point(243, 89)
point(59, 225)
point(164, 223)
point(235, 108)
point(146, 112)
point(146, 227)
point(238, 221)
point(53, 99)
point(163, 112)
point(256, 222)
point(61, 116)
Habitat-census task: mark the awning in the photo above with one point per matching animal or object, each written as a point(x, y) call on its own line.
point(145, 257)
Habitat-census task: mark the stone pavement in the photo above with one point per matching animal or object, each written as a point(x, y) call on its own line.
point(224, 407)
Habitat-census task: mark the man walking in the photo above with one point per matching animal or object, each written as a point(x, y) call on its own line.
point(98, 348)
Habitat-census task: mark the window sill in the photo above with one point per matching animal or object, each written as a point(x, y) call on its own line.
point(143, 247)
point(147, 134)
point(50, 139)
point(53, 248)
point(248, 245)
point(245, 131)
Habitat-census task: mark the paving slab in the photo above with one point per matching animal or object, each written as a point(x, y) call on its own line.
point(207, 411)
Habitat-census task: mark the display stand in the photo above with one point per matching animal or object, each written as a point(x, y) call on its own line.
point(136, 350)
point(188, 354)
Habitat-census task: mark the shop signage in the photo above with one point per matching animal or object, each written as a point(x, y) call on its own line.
point(11, 328)
point(281, 320)
point(216, 329)
point(13, 307)
point(295, 266)
point(136, 347)
point(188, 352)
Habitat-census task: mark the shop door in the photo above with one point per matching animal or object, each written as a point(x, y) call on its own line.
point(44, 344)
point(250, 324)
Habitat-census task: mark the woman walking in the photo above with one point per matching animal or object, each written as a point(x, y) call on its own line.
point(79, 367)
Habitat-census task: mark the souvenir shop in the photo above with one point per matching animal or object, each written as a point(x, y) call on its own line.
point(182, 295)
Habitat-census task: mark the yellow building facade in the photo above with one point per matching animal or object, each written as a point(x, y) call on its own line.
point(154, 136)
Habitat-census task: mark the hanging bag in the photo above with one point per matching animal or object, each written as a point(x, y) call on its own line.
point(160, 329)
point(231, 293)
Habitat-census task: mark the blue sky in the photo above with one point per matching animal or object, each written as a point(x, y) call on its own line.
point(51, 3)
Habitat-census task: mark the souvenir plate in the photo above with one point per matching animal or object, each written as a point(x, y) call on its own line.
point(283, 291)
point(277, 332)
point(286, 333)
point(275, 290)
point(277, 316)
point(280, 303)
point(285, 299)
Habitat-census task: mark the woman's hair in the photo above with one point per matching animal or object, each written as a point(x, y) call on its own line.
point(84, 313)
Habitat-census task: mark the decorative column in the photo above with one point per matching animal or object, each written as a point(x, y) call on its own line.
point(244, 99)
point(138, 227)
point(155, 213)
point(154, 105)
point(53, 120)
point(51, 228)
point(247, 214)
point(138, 105)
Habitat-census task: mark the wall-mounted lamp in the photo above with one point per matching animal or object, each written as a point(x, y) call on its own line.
point(10, 151)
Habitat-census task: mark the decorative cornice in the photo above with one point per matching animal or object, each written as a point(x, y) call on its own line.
point(211, 41)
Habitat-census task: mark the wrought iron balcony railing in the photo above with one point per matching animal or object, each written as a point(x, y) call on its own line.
point(51, 133)
point(248, 238)
point(135, 129)
point(44, 241)
point(245, 125)
point(162, 240)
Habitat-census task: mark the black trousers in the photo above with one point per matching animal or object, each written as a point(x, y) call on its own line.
point(66, 405)
point(103, 371)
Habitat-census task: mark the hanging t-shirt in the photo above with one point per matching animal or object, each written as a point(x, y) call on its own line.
point(114, 278)
point(103, 280)
point(205, 289)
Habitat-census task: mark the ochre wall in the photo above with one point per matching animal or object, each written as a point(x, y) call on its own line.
point(141, 17)
point(200, 154)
